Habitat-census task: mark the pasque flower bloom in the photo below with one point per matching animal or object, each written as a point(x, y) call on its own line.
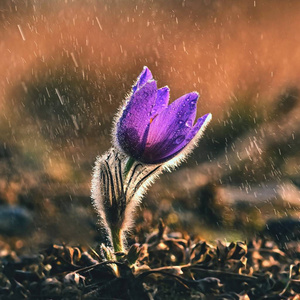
point(148, 134)
point(153, 132)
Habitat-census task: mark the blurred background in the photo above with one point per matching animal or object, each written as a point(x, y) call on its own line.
point(66, 67)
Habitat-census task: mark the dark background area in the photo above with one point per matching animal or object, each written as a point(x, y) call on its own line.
point(66, 67)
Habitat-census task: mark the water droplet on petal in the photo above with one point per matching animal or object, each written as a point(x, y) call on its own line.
point(192, 104)
point(189, 123)
point(180, 122)
point(179, 139)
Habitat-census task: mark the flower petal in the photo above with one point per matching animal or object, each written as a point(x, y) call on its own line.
point(200, 122)
point(161, 102)
point(145, 76)
point(192, 133)
point(170, 128)
point(177, 145)
point(133, 126)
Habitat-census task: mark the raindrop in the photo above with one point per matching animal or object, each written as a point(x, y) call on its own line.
point(189, 123)
point(153, 112)
point(179, 139)
point(180, 122)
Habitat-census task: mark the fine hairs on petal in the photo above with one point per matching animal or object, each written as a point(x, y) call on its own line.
point(119, 114)
point(116, 120)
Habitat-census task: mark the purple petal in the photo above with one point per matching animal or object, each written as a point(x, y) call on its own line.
point(192, 133)
point(162, 101)
point(145, 76)
point(133, 126)
point(180, 143)
point(170, 128)
point(196, 128)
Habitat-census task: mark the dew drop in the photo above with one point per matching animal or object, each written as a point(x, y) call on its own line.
point(189, 123)
point(179, 139)
point(180, 122)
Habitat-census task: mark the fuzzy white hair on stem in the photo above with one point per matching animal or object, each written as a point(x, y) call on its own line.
point(115, 194)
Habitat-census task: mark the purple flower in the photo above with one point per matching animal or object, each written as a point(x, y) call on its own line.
point(150, 130)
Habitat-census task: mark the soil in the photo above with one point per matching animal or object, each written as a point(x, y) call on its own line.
point(167, 265)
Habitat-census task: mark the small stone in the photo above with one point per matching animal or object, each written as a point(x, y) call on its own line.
point(71, 292)
point(51, 287)
point(74, 279)
point(15, 221)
